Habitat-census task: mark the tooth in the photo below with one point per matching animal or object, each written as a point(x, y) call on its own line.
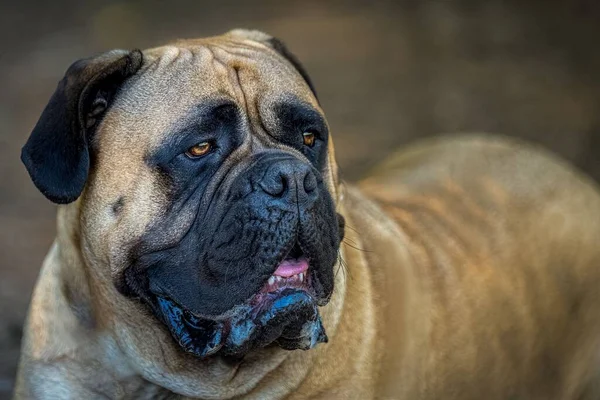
point(271, 280)
point(301, 276)
point(279, 279)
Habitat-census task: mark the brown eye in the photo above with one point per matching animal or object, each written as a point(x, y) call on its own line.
point(309, 139)
point(199, 150)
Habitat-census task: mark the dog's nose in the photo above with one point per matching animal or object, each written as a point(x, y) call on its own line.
point(290, 180)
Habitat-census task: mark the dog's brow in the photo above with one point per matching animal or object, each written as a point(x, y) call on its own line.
point(202, 113)
point(200, 121)
point(295, 114)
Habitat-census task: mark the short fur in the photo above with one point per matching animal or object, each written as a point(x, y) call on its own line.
point(471, 264)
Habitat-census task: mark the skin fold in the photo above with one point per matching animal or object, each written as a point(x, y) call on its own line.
point(463, 267)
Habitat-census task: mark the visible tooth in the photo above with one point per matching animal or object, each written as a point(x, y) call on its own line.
point(301, 276)
point(279, 279)
point(271, 280)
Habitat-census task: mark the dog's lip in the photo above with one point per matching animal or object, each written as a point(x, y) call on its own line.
point(249, 326)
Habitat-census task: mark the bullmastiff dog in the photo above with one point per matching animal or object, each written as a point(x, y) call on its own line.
point(206, 247)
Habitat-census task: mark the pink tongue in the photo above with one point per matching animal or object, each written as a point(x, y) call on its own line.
point(289, 268)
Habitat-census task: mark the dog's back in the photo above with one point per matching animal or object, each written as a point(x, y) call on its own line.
point(499, 290)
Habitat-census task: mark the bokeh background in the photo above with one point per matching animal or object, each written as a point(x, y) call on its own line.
point(387, 73)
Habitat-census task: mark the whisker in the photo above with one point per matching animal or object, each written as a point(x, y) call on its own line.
point(348, 226)
point(356, 248)
point(343, 266)
point(339, 265)
point(350, 240)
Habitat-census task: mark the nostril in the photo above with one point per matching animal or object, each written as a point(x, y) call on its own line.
point(274, 184)
point(310, 182)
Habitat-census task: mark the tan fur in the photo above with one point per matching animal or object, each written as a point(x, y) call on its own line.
point(472, 264)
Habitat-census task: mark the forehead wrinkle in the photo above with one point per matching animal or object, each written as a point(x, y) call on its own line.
point(174, 55)
point(162, 57)
point(240, 51)
point(266, 58)
point(228, 81)
point(242, 66)
point(258, 52)
point(231, 67)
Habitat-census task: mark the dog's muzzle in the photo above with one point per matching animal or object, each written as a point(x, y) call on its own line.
point(253, 273)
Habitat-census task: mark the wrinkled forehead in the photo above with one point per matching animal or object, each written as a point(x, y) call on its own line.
point(179, 77)
point(218, 66)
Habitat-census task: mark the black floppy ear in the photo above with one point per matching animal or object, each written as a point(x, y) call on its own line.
point(56, 154)
point(282, 49)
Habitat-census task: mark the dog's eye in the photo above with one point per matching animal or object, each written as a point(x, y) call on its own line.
point(199, 150)
point(309, 139)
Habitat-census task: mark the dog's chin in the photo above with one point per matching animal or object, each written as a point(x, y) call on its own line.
point(283, 313)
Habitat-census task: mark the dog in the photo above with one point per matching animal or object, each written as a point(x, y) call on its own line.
point(207, 248)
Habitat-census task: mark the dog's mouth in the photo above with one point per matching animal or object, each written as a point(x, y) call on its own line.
point(283, 312)
point(292, 272)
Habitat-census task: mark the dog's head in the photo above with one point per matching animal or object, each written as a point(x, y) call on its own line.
point(206, 184)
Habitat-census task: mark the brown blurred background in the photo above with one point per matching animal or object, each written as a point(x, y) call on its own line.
point(386, 72)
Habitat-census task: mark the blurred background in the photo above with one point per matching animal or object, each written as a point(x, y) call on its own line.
point(387, 73)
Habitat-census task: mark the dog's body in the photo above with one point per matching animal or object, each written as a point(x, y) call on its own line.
point(471, 269)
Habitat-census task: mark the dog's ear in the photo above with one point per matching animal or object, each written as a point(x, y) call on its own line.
point(280, 48)
point(56, 154)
